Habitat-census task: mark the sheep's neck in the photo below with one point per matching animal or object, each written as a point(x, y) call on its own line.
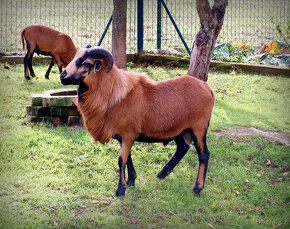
point(81, 90)
point(94, 117)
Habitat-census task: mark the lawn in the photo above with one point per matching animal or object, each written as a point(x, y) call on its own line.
point(57, 177)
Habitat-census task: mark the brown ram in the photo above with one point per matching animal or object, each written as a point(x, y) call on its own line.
point(48, 42)
point(128, 106)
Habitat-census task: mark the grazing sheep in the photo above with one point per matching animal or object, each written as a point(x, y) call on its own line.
point(128, 106)
point(48, 42)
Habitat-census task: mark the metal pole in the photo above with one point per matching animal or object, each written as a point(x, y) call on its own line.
point(175, 26)
point(140, 26)
point(158, 24)
point(159, 35)
point(105, 31)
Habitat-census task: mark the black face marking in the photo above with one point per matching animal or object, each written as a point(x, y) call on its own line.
point(87, 68)
point(80, 61)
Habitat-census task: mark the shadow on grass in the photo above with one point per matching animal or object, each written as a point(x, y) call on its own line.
point(227, 115)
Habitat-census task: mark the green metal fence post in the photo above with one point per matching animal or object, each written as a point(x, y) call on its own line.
point(140, 26)
point(159, 24)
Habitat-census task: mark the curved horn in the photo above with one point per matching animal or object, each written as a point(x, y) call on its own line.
point(101, 53)
point(87, 46)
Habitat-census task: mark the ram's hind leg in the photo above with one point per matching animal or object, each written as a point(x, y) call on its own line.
point(181, 150)
point(203, 156)
point(28, 64)
point(49, 68)
point(131, 172)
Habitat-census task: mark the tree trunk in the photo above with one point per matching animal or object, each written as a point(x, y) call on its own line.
point(211, 20)
point(119, 33)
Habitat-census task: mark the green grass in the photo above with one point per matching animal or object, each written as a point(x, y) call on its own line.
point(58, 177)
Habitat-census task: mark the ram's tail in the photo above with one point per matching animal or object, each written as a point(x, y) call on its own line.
point(22, 39)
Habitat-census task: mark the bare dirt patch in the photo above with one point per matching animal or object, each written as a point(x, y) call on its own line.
point(241, 132)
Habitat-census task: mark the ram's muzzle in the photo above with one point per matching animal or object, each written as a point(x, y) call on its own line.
point(67, 79)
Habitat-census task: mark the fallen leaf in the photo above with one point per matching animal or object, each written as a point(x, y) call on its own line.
point(267, 162)
point(54, 223)
point(242, 213)
point(201, 209)
point(134, 221)
point(274, 226)
point(210, 225)
point(271, 201)
point(35, 158)
point(32, 151)
point(6, 66)
point(213, 206)
point(279, 179)
point(219, 222)
point(260, 221)
point(159, 216)
point(237, 192)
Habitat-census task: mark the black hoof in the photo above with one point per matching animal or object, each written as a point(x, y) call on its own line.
point(131, 181)
point(162, 174)
point(27, 77)
point(197, 191)
point(120, 192)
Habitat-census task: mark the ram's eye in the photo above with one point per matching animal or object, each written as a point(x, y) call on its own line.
point(87, 65)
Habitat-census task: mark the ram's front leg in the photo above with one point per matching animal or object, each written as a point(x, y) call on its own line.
point(125, 151)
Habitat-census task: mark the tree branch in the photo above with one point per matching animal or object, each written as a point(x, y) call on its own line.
point(218, 12)
point(204, 12)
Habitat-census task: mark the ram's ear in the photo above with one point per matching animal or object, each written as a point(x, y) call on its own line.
point(97, 66)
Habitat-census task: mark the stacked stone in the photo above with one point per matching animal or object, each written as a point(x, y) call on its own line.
point(57, 107)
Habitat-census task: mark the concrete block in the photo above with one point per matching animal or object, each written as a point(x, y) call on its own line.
point(63, 92)
point(59, 101)
point(37, 119)
point(64, 111)
point(38, 111)
point(55, 106)
point(75, 121)
point(36, 99)
point(56, 121)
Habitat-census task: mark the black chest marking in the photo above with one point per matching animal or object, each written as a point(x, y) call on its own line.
point(81, 90)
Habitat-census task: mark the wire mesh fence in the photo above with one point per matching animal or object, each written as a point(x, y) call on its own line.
point(246, 21)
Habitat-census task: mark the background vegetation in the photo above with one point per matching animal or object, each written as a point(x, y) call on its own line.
point(58, 177)
point(249, 21)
